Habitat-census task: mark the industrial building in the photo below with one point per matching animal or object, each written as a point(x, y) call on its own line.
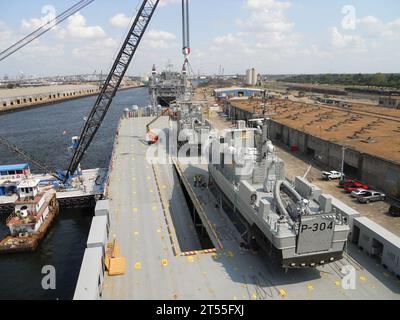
point(390, 102)
point(237, 92)
point(24, 97)
point(368, 145)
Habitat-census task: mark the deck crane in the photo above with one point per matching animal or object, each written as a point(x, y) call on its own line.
point(106, 95)
point(112, 83)
point(151, 137)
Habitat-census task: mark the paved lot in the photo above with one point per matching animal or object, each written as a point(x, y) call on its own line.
point(297, 164)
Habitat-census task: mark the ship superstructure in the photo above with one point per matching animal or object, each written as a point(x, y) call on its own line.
point(192, 128)
point(296, 224)
point(167, 87)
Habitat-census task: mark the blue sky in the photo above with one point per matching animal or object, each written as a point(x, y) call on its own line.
point(293, 36)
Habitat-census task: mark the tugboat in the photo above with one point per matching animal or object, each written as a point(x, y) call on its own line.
point(33, 214)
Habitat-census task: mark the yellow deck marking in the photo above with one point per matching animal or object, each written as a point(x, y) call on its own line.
point(135, 210)
point(136, 233)
point(164, 262)
point(363, 279)
point(337, 283)
point(282, 292)
point(254, 296)
point(138, 266)
point(310, 287)
point(234, 298)
point(158, 230)
point(190, 258)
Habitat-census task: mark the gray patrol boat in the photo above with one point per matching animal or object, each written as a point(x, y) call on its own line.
point(294, 223)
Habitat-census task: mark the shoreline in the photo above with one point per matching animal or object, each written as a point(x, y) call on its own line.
point(43, 104)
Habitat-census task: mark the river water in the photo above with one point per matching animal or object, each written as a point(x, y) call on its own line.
point(45, 133)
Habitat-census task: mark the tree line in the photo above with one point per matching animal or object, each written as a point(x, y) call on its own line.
point(379, 80)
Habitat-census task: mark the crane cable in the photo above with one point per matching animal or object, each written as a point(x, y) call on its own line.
point(44, 29)
point(27, 156)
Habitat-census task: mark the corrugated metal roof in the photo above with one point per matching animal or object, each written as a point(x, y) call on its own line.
point(237, 88)
point(13, 167)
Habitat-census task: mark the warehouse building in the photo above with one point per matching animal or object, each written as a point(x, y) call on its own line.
point(237, 92)
point(390, 102)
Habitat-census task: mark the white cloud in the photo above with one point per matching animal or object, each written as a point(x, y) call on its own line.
point(120, 20)
point(376, 28)
point(6, 35)
point(164, 3)
point(77, 28)
point(340, 40)
point(226, 40)
point(267, 5)
point(266, 27)
point(100, 49)
point(158, 39)
point(44, 51)
point(35, 49)
point(266, 15)
point(33, 23)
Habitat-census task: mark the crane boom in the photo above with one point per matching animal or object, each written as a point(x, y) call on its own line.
point(111, 85)
point(156, 118)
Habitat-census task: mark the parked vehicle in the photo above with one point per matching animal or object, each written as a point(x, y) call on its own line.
point(394, 210)
point(371, 196)
point(345, 181)
point(330, 175)
point(358, 192)
point(355, 186)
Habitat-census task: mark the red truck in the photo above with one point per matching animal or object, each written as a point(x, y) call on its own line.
point(349, 187)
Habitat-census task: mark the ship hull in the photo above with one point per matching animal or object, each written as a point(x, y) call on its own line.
point(165, 101)
point(281, 250)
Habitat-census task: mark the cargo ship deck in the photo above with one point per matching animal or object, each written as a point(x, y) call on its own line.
point(167, 259)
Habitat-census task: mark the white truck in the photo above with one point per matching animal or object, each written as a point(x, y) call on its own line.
point(330, 175)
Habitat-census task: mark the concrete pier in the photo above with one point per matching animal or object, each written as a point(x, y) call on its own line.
point(23, 98)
